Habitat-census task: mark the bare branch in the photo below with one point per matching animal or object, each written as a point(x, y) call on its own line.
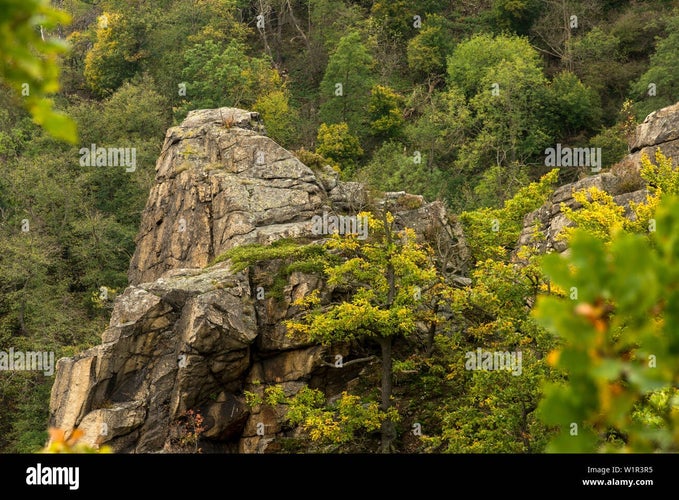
point(358, 360)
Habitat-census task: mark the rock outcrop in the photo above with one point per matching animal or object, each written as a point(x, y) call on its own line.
point(188, 334)
point(660, 130)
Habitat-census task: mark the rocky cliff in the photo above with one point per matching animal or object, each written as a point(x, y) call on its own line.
point(188, 334)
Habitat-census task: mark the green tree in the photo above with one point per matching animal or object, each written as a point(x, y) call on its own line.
point(392, 167)
point(329, 426)
point(600, 63)
point(472, 59)
point(336, 143)
point(386, 111)
point(279, 117)
point(470, 409)
point(388, 277)
point(427, 51)
point(223, 75)
point(571, 107)
point(638, 27)
point(331, 20)
point(191, 23)
point(503, 82)
point(507, 117)
point(516, 15)
point(398, 17)
point(613, 144)
point(16, 127)
point(493, 232)
point(327, 21)
point(442, 124)
point(500, 183)
point(346, 84)
point(42, 306)
point(658, 86)
point(492, 410)
point(135, 116)
point(115, 56)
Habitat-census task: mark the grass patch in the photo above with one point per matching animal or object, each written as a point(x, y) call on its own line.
point(245, 256)
point(297, 254)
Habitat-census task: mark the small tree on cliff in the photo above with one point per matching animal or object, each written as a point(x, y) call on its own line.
point(385, 281)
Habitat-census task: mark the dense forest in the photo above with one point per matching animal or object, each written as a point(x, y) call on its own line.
point(456, 101)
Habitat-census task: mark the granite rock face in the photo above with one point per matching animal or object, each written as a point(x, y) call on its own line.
point(191, 335)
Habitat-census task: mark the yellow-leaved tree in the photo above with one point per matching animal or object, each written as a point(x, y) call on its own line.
point(387, 280)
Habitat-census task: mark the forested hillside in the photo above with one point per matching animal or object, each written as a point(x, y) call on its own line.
point(455, 101)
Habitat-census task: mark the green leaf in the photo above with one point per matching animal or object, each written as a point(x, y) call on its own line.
point(56, 124)
point(583, 442)
point(608, 369)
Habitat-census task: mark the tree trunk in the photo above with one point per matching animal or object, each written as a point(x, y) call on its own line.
point(432, 333)
point(388, 430)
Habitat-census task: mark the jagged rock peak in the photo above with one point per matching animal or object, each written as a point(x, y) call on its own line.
point(188, 335)
point(221, 183)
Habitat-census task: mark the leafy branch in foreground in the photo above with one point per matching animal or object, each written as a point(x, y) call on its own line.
point(29, 61)
point(59, 443)
point(619, 348)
